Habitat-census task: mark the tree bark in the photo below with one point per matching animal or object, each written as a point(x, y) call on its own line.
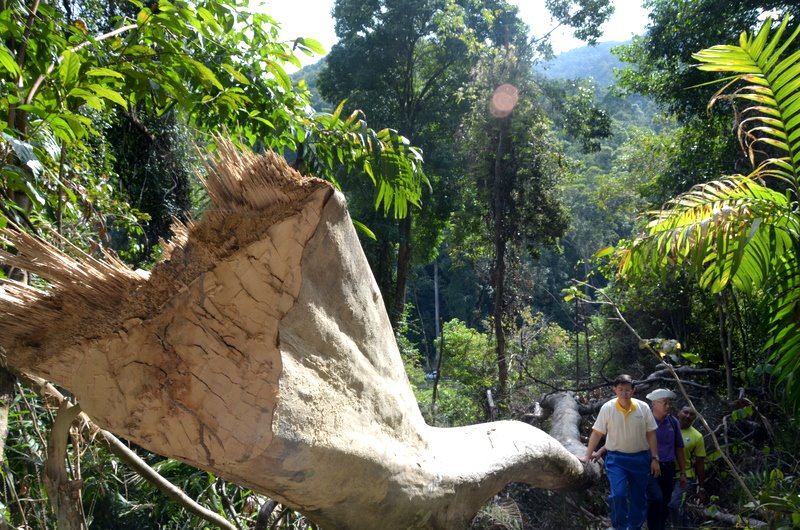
point(565, 421)
point(128, 456)
point(403, 267)
point(499, 208)
point(259, 349)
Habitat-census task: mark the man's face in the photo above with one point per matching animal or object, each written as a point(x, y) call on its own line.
point(686, 417)
point(662, 406)
point(624, 391)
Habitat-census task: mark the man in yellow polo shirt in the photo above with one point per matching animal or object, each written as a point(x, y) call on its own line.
point(632, 455)
point(695, 450)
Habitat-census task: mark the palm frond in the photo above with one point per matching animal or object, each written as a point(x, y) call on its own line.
point(770, 90)
point(737, 230)
point(725, 231)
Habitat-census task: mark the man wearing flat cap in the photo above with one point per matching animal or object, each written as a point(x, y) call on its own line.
point(670, 453)
point(632, 454)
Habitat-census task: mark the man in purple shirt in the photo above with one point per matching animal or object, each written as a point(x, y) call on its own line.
point(670, 453)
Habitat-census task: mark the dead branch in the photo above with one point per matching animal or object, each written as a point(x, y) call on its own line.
point(64, 494)
point(730, 520)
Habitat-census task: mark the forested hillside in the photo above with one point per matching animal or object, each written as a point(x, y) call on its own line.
point(509, 232)
point(596, 62)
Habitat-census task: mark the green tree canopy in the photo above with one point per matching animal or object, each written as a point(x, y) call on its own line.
point(62, 82)
point(660, 61)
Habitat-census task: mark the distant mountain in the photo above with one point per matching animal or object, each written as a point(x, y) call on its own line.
point(596, 62)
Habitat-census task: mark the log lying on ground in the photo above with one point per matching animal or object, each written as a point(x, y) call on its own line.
point(565, 421)
point(259, 349)
point(729, 520)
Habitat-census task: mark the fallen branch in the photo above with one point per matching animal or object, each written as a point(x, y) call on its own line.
point(64, 494)
point(684, 371)
point(598, 520)
point(731, 520)
point(564, 423)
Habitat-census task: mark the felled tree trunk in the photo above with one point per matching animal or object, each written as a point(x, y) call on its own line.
point(565, 420)
point(259, 349)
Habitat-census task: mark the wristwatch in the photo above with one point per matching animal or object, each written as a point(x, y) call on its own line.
point(655, 457)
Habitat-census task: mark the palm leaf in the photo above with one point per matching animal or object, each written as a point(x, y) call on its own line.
point(773, 83)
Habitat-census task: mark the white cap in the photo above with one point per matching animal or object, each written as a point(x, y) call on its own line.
point(661, 393)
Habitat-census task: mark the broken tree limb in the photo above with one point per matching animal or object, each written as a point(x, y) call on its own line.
point(730, 520)
point(259, 349)
point(64, 493)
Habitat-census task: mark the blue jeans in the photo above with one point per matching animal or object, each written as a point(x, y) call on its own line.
point(628, 475)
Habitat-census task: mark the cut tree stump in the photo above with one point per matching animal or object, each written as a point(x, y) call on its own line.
point(258, 348)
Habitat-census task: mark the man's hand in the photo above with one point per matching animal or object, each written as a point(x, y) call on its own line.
point(594, 457)
point(655, 468)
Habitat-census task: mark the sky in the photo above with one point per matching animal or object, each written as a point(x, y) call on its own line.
point(312, 18)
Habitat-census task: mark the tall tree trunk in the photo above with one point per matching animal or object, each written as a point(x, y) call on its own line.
point(498, 316)
point(587, 345)
point(499, 200)
point(403, 268)
point(726, 345)
point(436, 323)
point(577, 345)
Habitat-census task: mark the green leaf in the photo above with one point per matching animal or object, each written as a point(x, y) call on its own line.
point(106, 93)
point(25, 153)
point(361, 227)
point(69, 69)
point(208, 19)
point(34, 194)
point(605, 251)
point(104, 72)
point(236, 74)
point(206, 75)
point(137, 51)
point(691, 357)
point(87, 97)
point(144, 16)
point(310, 45)
point(7, 61)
